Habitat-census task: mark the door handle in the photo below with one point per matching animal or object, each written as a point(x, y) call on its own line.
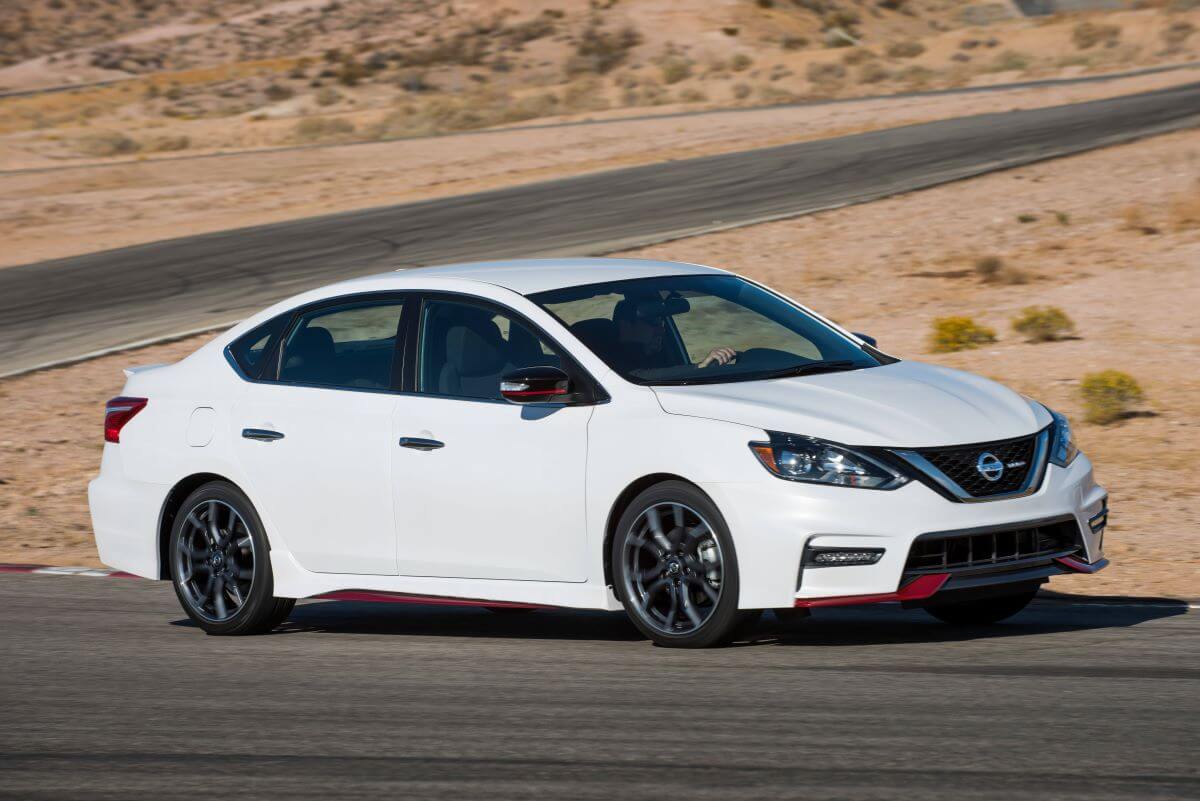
point(261, 434)
point(418, 444)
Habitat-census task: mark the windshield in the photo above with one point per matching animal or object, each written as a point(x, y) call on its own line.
point(698, 329)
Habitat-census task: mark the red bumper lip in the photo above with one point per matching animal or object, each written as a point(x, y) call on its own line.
point(925, 587)
point(1078, 566)
point(918, 589)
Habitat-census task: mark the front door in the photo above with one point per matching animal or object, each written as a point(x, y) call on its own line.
point(486, 489)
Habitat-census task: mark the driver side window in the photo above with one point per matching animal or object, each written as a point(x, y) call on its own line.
point(464, 349)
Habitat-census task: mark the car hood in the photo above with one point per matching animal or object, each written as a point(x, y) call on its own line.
point(904, 404)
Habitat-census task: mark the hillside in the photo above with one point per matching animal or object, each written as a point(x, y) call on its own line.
point(230, 74)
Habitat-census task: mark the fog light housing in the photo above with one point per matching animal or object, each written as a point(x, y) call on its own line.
point(842, 557)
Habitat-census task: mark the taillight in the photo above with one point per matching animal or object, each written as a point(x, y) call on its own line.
point(118, 412)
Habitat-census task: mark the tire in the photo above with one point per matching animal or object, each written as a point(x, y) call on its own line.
point(983, 612)
point(209, 585)
point(675, 568)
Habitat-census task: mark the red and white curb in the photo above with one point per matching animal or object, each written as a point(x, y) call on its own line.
point(54, 570)
point(104, 572)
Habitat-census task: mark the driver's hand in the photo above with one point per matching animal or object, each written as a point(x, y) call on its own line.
point(719, 356)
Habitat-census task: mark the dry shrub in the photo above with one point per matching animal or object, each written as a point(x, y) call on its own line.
point(1089, 34)
point(873, 72)
point(845, 18)
point(536, 28)
point(909, 49)
point(107, 143)
point(1043, 323)
point(1133, 218)
point(169, 144)
point(741, 91)
point(320, 129)
point(959, 333)
point(327, 96)
point(351, 73)
point(692, 96)
point(1185, 210)
point(1010, 61)
point(599, 51)
point(916, 76)
point(821, 72)
point(993, 270)
point(857, 56)
point(585, 95)
point(1177, 33)
point(675, 69)
point(740, 62)
point(277, 92)
point(1109, 395)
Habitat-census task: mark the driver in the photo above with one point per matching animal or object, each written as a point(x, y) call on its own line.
point(641, 331)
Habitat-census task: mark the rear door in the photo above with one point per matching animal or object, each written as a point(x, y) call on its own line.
point(315, 435)
point(484, 488)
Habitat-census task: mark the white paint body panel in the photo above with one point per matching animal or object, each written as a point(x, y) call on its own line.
point(517, 505)
point(505, 495)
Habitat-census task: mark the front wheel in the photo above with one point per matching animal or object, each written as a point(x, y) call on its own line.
point(220, 565)
point(983, 612)
point(675, 568)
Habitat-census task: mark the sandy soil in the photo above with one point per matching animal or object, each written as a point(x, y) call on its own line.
point(70, 211)
point(887, 268)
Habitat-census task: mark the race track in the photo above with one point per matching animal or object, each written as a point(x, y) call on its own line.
point(61, 309)
point(109, 693)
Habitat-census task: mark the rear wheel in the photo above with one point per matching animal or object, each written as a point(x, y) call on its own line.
point(675, 569)
point(983, 612)
point(220, 564)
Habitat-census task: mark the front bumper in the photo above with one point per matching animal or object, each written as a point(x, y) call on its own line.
point(774, 521)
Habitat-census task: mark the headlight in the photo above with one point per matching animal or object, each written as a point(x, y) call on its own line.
point(1062, 450)
point(817, 462)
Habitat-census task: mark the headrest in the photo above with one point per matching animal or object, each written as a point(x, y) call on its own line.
point(475, 350)
point(310, 350)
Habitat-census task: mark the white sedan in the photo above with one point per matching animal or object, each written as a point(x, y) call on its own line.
point(669, 439)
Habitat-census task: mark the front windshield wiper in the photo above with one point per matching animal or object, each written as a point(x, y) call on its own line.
point(832, 366)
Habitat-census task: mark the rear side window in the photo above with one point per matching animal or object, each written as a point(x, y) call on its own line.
point(350, 347)
point(249, 350)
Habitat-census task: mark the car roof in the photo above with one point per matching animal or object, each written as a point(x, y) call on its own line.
point(528, 276)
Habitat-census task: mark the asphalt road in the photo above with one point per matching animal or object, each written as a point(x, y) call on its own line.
point(107, 692)
point(69, 307)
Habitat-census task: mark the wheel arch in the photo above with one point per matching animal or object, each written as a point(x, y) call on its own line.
point(170, 508)
point(622, 502)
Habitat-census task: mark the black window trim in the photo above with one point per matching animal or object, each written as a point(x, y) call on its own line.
point(404, 369)
point(591, 391)
point(272, 358)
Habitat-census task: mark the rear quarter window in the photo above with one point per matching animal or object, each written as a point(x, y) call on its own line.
point(249, 351)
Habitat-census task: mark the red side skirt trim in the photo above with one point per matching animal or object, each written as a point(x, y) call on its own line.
point(428, 600)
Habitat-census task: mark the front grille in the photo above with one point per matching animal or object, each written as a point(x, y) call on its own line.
point(936, 553)
point(961, 465)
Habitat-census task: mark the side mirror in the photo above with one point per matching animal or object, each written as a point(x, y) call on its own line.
point(535, 385)
point(870, 340)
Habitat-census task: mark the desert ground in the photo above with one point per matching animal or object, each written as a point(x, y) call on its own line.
point(1111, 237)
point(68, 210)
